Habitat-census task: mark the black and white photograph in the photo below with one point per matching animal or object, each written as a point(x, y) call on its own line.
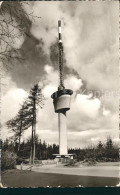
point(59, 94)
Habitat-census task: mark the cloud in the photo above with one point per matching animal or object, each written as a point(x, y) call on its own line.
point(90, 137)
point(73, 83)
point(87, 106)
point(86, 114)
point(11, 103)
point(91, 42)
point(46, 28)
point(106, 112)
point(0, 3)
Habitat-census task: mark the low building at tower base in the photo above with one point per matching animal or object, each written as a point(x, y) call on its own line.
point(63, 157)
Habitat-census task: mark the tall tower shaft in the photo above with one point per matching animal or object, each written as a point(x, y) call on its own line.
point(61, 99)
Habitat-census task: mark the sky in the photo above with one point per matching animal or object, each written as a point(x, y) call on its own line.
point(90, 32)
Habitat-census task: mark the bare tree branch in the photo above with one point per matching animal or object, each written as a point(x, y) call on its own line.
point(15, 24)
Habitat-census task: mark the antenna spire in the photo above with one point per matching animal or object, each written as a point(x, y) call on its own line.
point(60, 57)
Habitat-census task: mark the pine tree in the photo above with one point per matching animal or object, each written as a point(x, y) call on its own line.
point(99, 152)
point(100, 145)
point(109, 143)
point(19, 123)
point(109, 148)
point(33, 102)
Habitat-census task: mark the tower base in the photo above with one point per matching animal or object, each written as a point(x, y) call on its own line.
point(63, 156)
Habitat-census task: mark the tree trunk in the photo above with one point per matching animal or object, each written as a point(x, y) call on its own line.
point(20, 135)
point(33, 131)
point(34, 144)
point(19, 143)
point(32, 160)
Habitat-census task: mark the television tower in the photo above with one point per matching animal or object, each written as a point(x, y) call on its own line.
point(61, 101)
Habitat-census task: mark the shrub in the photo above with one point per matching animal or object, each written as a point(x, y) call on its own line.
point(8, 160)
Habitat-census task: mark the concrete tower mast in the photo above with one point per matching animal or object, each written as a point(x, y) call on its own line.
point(61, 101)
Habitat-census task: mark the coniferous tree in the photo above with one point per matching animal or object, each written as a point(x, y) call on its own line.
point(99, 150)
point(19, 123)
point(109, 150)
point(109, 143)
point(100, 145)
point(33, 102)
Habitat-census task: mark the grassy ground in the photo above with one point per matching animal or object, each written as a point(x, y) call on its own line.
point(18, 178)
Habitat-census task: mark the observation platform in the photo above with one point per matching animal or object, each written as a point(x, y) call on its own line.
point(61, 100)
